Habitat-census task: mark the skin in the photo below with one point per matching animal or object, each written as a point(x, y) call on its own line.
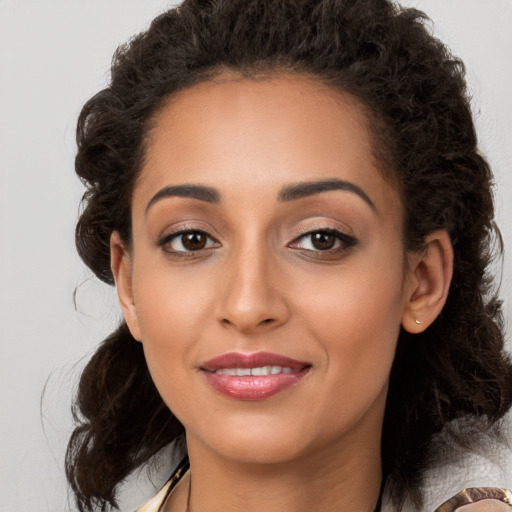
point(486, 506)
point(260, 284)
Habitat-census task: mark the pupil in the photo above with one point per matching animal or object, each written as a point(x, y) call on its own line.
point(323, 241)
point(194, 241)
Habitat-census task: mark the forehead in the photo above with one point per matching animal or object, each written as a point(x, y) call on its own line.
point(298, 100)
point(244, 93)
point(256, 134)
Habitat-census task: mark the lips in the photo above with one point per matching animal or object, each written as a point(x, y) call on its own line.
point(253, 377)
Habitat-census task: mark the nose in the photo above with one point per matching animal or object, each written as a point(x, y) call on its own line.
point(253, 298)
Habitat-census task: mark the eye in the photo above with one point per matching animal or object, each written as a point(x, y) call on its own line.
point(187, 241)
point(324, 240)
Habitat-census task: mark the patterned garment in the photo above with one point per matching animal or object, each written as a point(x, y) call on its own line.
point(475, 494)
point(465, 497)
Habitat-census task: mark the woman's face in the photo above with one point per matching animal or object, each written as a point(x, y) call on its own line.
point(266, 279)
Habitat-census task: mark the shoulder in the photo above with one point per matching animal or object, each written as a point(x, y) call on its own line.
point(479, 499)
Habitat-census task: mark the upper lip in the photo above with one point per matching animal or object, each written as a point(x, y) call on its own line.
point(256, 360)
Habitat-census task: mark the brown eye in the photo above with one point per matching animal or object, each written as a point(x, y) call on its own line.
point(194, 241)
point(323, 241)
point(187, 241)
point(329, 241)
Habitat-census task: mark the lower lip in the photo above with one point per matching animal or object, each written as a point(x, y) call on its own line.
point(253, 387)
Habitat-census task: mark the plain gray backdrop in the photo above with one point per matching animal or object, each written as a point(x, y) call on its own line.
point(55, 54)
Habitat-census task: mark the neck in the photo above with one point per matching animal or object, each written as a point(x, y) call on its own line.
point(347, 478)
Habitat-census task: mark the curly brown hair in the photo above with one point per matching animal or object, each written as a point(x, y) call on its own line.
point(415, 93)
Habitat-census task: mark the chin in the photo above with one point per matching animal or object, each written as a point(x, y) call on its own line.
point(275, 451)
point(252, 441)
point(261, 441)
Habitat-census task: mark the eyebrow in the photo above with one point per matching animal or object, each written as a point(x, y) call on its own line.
point(288, 193)
point(200, 192)
point(309, 188)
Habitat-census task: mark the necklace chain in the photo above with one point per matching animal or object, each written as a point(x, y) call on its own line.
point(188, 493)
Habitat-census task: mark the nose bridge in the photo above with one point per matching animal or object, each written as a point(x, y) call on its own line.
point(251, 296)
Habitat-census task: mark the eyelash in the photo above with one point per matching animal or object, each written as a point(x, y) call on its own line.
point(343, 241)
point(179, 254)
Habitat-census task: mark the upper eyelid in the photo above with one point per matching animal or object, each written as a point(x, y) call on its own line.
point(182, 228)
point(188, 227)
point(347, 232)
point(173, 234)
point(336, 232)
point(301, 234)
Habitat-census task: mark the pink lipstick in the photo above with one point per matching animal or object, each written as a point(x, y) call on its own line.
point(253, 377)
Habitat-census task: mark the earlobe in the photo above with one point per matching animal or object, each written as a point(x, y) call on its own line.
point(428, 283)
point(120, 262)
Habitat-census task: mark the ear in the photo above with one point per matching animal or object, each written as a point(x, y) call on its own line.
point(120, 261)
point(428, 282)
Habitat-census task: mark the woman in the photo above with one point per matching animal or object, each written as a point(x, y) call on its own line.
point(290, 201)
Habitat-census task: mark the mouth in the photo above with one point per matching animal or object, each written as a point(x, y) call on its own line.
point(258, 371)
point(254, 376)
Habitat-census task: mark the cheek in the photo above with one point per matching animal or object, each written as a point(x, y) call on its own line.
point(170, 312)
point(356, 317)
point(170, 303)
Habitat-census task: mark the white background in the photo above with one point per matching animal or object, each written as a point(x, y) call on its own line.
point(53, 56)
